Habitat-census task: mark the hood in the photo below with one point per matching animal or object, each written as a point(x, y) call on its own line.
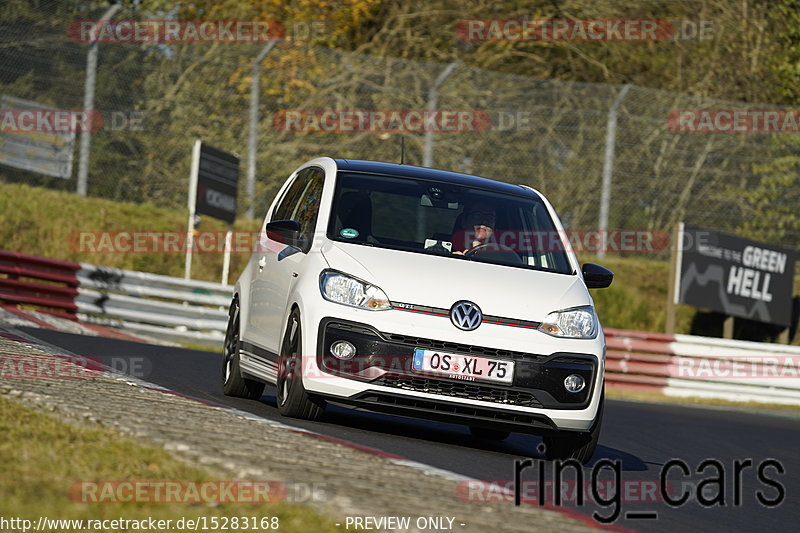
point(434, 281)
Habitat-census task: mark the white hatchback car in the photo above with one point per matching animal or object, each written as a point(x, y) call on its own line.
point(422, 293)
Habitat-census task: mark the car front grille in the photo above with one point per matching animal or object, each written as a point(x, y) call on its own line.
point(460, 389)
point(419, 342)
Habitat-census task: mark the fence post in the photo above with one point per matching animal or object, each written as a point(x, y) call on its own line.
point(673, 297)
point(433, 97)
point(88, 100)
point(608, 168)
point(252, 144)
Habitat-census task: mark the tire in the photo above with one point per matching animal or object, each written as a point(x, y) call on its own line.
point(233, 383)
point(578, 446)
point(291, 396)
point(489, 434)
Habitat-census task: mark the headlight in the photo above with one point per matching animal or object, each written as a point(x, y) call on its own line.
point(575, 323)
point(343, 289)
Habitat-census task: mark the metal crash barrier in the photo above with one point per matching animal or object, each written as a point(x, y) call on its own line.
point(181, 310)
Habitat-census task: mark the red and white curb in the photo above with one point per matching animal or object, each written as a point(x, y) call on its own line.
point(36, 319)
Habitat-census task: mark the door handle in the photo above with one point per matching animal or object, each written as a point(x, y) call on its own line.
point(262, 263)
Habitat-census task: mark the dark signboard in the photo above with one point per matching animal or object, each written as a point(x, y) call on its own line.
point(217, 175)
point(735, 276)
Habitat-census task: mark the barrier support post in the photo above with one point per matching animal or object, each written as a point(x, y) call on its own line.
point(727, 328)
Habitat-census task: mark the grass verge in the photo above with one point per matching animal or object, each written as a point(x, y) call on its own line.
point(45, 222)
point(43, 457)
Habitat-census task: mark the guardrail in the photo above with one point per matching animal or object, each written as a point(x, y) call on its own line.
point(160, 306)
point(703, 367)
point(196, 311)
point(37, 281)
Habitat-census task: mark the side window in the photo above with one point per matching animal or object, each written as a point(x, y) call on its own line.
point(307, 207)
point(289, 201)
point(301, 203)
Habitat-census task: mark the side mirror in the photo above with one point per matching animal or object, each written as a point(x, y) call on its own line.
point(284, 231)
point(596, 277)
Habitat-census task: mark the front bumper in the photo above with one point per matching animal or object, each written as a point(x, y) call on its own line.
point(380, 379)
point(443, 410)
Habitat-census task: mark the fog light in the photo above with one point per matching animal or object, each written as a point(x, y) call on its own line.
point(343, 350)
point(574, 383)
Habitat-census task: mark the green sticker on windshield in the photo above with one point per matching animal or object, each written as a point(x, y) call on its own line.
point(349, 233)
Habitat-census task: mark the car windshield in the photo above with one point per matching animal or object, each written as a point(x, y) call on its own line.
point(446, 219)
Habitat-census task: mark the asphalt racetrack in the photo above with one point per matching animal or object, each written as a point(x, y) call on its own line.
point(638, 441)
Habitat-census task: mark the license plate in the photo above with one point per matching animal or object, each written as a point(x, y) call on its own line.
point(466, 367)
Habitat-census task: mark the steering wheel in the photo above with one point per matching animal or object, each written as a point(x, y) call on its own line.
point(488, 247)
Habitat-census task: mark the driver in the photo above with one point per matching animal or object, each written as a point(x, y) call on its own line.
point(477, 228)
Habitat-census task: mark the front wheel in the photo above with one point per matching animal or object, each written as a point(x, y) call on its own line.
point(291, 397)
point(578, 446)
point(233, 383)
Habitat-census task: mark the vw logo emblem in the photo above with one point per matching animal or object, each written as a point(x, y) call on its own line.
point(466, 315)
